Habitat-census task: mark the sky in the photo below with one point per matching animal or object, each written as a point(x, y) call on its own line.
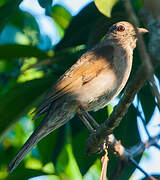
point(150, 162)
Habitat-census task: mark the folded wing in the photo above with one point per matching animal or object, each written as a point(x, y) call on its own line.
point(82, 72)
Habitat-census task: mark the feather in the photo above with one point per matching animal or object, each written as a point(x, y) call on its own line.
point(81, 73)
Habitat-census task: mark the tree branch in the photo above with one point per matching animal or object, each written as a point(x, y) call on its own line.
point(127, 155)
point(148, 68)
point(124, 154)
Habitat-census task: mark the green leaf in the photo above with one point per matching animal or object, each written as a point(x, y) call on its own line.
point(61, 16)
point(2, 2)
point(19, 99)
point(66, 165)
point(105, 6)
point(11, 51)
point(55, 146)
point(94, 171)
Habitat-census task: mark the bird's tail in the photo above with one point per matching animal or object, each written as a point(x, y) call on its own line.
point(42, 130)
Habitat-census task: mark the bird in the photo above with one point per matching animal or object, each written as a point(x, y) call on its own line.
point(90, 84)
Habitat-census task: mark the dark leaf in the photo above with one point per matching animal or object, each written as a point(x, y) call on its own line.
point(6, 11)
point(80, 26)
point(147, 101)
point(24, 20)
point(128, 133)
point(11, 51)
point(55, 143)
point(45, 3)
point(89, 26)
point(80, 134)
point(23, 173)
point(158, 72)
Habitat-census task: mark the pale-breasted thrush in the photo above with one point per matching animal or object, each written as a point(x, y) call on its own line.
point(91, 83)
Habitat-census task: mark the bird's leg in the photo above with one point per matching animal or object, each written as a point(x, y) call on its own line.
point(89, 117)
point(86, 123)
point(86, 117)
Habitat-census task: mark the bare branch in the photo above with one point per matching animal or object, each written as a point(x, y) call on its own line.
point(127, 154)
point(142, 170)
point(124, 154)
point(144, 124)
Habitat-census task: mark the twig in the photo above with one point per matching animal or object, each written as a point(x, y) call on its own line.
point(138, 167)
point(127, 154)
point(157, 146)
point(124, 154)
point(118, 149)
point(155, 90)
point(138, 149)
point(144, 125)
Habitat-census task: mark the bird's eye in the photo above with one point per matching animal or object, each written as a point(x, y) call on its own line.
point(120, 28)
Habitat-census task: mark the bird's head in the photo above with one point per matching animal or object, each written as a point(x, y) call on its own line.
point(124, 32)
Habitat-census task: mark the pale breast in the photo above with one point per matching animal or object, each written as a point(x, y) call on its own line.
point(101, 90)
point(89, 94)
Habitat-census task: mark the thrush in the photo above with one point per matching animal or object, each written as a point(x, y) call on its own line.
point(89, 85)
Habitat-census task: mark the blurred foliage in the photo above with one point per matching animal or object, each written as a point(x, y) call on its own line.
point(105, 7)
point(61, 16)
point(26, 72)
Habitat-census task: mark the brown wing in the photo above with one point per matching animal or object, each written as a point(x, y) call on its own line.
point(86, 68)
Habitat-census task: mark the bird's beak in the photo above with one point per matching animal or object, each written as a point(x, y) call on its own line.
point(142, 30)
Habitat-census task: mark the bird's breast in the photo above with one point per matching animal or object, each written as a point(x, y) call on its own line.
point(110, 81)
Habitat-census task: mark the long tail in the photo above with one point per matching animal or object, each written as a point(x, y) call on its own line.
point(42, 130)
